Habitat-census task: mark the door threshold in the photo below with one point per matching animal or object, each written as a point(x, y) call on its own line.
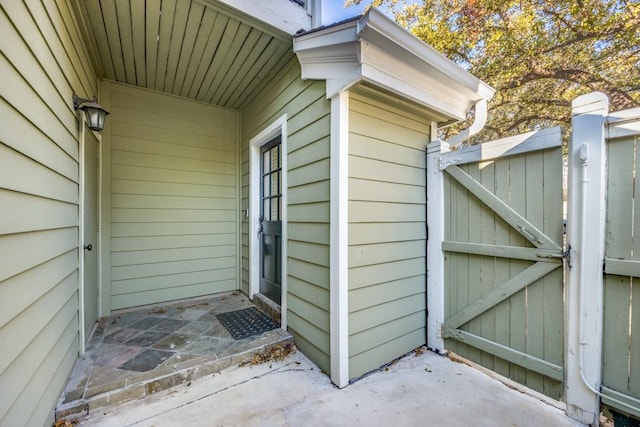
point(271, 308)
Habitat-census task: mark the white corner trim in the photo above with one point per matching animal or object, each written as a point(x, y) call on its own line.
point(435, 255)
point(339, 239)
point(278, 127)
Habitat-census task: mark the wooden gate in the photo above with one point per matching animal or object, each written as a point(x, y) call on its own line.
point(503, 228)
point(621, 345)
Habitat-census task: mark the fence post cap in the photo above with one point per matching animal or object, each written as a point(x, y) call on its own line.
point(590, 102)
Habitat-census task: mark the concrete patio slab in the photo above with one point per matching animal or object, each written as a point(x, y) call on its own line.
point(418, 390)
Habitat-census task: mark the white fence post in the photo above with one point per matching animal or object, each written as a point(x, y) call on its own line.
point(435, 256)
point(585, 236)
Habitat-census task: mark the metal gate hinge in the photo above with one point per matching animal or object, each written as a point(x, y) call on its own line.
point(566, 255)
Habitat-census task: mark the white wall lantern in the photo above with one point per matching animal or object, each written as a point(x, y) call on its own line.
point(94, 111)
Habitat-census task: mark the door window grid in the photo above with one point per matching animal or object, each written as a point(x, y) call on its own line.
point(271, 182)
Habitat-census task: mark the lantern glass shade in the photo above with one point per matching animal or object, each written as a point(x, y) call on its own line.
point(95, 115)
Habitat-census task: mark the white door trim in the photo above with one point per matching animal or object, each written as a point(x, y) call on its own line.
point(81, 210)
point(278, 127)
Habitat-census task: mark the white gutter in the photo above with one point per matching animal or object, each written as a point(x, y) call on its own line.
point(375, 50)
point(479, 121)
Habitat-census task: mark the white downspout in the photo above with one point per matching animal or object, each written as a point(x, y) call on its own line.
point(479, 121)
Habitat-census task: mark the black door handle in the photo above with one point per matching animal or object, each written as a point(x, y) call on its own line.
point(88, 247)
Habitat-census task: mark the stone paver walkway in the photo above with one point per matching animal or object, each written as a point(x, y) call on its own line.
point(137, 353)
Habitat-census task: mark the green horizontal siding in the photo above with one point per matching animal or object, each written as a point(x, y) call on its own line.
point(308, 128)
point(43, 63)
point(387, 255)
point(173, 197)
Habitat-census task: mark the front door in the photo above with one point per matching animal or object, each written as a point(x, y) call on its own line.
point(271, 220)
point(91, 163)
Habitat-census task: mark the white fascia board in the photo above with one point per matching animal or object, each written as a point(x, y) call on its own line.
point(382, 68)
point(284, 15)
point(377, 50)
point(379, 29)
point(336, 62)
point(331, 37)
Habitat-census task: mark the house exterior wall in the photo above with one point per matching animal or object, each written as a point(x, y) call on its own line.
point(170, 180)
point(42, 62)
point(387, 217)
point(308, 127)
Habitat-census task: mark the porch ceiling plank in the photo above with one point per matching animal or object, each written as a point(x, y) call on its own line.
point(199, 48)
point(239, 61)
point(125, 29)
point(167, 10)
point(230, 57)
point(192, 29)
point(249, 92)
point(239, 78)
point(152, 20)
point(503, 251)
point(501, 293)
point(204, 50)
point(175, 45)
point(270, 51)
point(525, 360)
point(219, 55)
point(110, 17)
point(139, 40)
point(253, 22)
point(198, 53)
point(513, 218)
point(213, 42)
point(96, 22)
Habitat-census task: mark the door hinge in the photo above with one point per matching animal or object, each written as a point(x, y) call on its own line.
point(427, 227)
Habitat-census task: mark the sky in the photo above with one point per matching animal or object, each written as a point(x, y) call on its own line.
point(334, 10)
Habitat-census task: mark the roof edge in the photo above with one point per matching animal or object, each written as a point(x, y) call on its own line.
point(374, 48)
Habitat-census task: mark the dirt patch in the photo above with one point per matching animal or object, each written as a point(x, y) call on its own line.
point(276, 354)
point(65, 423)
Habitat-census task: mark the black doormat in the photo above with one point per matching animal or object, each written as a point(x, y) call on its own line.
point(246, 322)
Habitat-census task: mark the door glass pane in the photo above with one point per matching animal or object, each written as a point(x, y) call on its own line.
point(279, 156)
point(275, 214)
point(279, 208)
point(266, 186)
point(275, 184)
point(266, 162)
point(265, 211)
point(275, 157)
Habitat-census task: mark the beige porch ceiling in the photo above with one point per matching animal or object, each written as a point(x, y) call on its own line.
point(198, 49)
